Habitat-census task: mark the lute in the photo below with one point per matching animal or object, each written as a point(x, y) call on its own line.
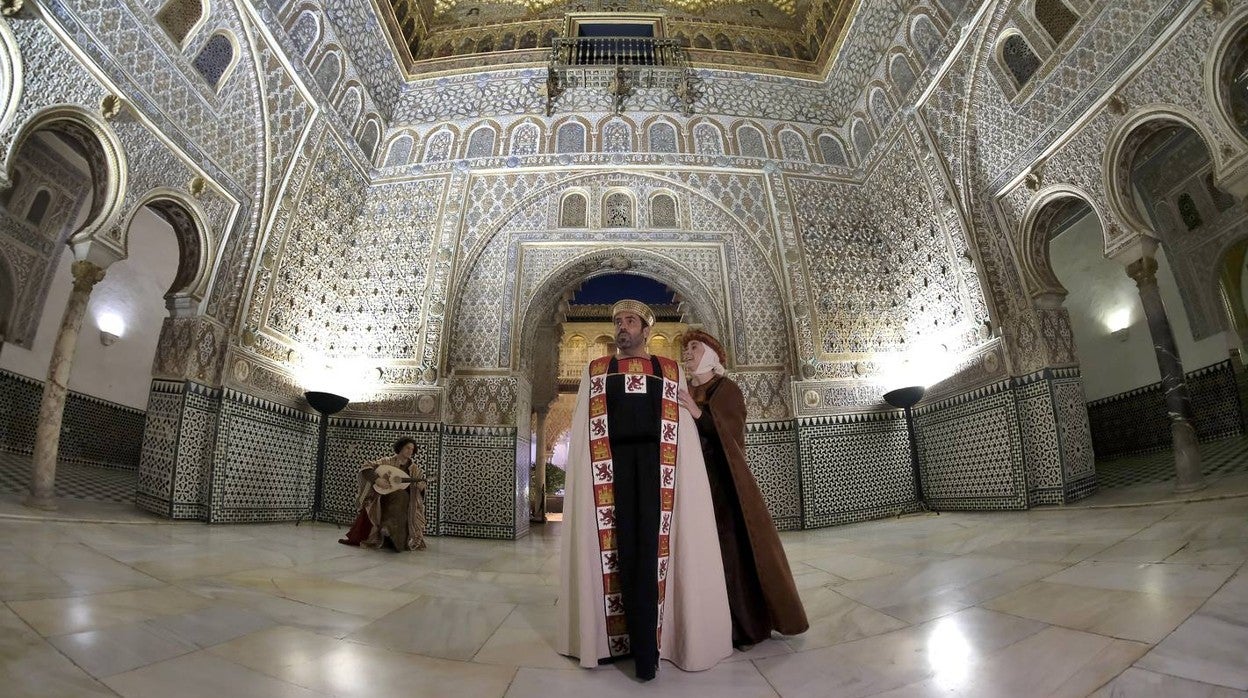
point(392, 479)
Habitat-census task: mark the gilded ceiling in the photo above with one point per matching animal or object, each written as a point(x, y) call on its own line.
point(785, 36)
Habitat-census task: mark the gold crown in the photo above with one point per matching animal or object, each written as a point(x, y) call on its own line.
point(637, 308)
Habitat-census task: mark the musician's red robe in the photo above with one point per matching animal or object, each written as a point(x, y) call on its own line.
point(696, 625)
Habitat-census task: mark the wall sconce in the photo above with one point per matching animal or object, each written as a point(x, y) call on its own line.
point(1121, 334)
point(111, 328)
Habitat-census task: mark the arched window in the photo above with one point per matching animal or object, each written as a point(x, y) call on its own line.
point(662, 138)
point(400, 151)
point(750, 140)
point(305, 32)
point(1188, 212)
point(572, 211)
point(1056, 18)
point(663, 211)
point(861, 136)
point(707, 141)
point(617, 211)
point(793, 146)
point(902, 74)
point(832, 150)
point(481, 143)
point(329, 72)
point(924, 37)
point(881, 110)
point(38, 207)
point(524, 140)
point(438, 149)
point(369, 138)
point(617, 138)
point(1018, 57)
point(570, 138)
point(215, 60)
point(179, 17)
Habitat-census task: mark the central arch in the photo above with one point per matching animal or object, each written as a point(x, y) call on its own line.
point(637, 260)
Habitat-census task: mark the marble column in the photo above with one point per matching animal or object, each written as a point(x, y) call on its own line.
point(539, 474)
point(1173, 383)
point(52, 408)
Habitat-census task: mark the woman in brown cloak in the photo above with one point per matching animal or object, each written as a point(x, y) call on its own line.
point(761, 593)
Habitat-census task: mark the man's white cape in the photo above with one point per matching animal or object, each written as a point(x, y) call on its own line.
point(697, 627)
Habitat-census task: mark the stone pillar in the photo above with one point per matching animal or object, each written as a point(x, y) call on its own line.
point(1178, 401)
point(539, 472)
point(52, 409)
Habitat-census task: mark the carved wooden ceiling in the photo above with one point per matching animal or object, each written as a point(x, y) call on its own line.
point(782, 36)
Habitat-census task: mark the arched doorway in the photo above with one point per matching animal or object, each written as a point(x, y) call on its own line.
point(571, 311)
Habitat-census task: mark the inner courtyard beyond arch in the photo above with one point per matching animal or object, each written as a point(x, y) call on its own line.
point(1030, 213)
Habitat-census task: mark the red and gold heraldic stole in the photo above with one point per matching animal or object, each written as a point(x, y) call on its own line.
point(635, 372)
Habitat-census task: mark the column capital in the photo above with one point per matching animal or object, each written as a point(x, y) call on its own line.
point(1143, 271)
point(86, 275)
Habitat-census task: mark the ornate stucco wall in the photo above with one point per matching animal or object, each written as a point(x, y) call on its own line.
point(838, 232)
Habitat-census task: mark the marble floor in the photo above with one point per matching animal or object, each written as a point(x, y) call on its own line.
point(1118, 601)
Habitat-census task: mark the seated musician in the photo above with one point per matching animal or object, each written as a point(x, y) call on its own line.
point(392, 501)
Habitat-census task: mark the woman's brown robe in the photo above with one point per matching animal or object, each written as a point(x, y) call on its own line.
point(761, 591)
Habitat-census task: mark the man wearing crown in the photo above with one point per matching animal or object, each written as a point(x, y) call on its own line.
point(639, 540)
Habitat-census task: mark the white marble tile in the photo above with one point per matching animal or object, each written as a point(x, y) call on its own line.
point(835, 619)
point(202, 675)
point(437, 627)
point(60, 616)
point(726, 680)
point(1153, 578)
point(1129, 615)
point(212, 625)
point(893, 660)
point(120, 648)
point(1207, 647)
point(32, 668)
point(1140, 683)
point(526, 638)
point(1139, 550)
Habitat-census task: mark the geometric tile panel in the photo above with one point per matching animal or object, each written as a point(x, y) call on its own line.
point(970, 450)
point(90, 483)
point(265, 463)
point(478, 482)
point(1217, 459)
point(1137, 421)
point(196, 446)
point(353, 442)
point(160, 448)
point(854, 468)
point(771, 452)
point(86, 420)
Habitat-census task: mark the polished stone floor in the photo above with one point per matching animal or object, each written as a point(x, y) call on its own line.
point(1132, 601)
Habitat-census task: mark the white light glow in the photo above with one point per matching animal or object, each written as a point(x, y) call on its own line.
point(927, 365)
point(1118, 319)
point(949, 655)
point(353, 378)
point(110, 322)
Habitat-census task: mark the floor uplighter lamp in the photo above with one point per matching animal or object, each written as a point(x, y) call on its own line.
point(327, 404)
point(906, 399)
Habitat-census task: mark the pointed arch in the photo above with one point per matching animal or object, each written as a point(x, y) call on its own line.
point(105, 157)
point(195, 242)
point(180, 19)
point(216, 60)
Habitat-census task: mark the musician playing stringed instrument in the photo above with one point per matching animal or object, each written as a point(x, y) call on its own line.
point(391, 498)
